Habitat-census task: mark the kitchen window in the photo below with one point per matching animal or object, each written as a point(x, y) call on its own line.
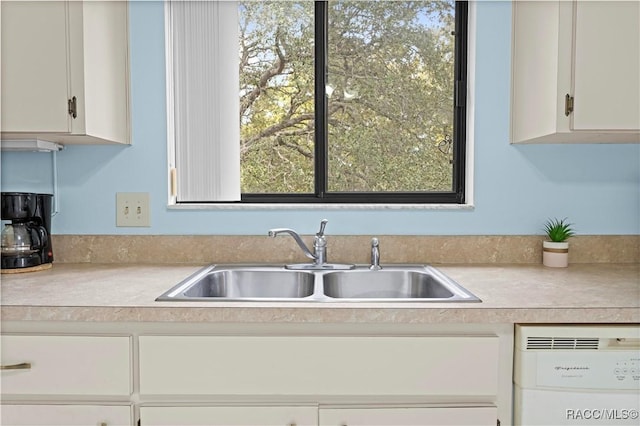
point(333, 101)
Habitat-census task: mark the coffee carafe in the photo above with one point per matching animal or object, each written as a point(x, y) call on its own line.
point(22, 238)
point(26, 232)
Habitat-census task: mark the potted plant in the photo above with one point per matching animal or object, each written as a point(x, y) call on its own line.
point(555, 251)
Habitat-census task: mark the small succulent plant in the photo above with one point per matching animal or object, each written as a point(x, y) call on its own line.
point(558, 230)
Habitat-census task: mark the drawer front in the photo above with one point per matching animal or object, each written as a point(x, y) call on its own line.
point(437, 416)
point(66, 365)
point(223, 365)
point(66, 415)
point(229, 416)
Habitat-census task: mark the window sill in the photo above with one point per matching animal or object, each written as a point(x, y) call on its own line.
point(318, 206)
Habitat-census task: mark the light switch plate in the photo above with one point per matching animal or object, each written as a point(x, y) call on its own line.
point(132, 209)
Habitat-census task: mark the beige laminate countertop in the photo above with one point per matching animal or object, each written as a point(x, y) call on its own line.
point(589, 293)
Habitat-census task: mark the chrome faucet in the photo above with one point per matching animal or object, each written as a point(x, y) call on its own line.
point(375, 255)
point(319, 255)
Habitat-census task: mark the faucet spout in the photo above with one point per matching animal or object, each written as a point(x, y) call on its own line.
point(319, 254)
point(275, 232)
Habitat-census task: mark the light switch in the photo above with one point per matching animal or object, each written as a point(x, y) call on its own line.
point(132, 209)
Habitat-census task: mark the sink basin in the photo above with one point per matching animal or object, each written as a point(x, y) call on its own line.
point(384, 284)
point(244, 283)
point(394, 283)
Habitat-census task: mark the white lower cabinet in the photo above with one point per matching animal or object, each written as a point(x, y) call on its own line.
point(67, 415)
point(229, 416)
point(348, 380)
point(436, 416)
point(319, 365)
point(217, 374)
point(312, 416)
point(66, 380)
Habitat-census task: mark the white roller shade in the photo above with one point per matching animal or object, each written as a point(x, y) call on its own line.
point(203, 99)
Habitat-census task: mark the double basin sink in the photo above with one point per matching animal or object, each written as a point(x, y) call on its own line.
point(395, 283)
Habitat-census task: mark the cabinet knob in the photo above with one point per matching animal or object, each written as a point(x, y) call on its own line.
point(21, 366)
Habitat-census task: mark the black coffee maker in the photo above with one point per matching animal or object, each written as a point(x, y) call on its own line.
point(26, 231)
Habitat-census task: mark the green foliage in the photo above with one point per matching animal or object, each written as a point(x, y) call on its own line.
point(390, 92)
point(558, 230)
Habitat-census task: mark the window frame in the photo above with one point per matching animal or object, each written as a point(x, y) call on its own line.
point(321, 165)
point(461, 196)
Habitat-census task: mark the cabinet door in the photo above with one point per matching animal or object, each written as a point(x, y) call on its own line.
point(35, 87)
point(607, 65)
point(100, 44)
point(472, 416)
point(229, 416)
point(318, 365)
point(541, 69)
point(65, 415)
point(54, 51)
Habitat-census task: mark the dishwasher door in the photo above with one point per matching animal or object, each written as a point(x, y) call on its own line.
point(577, 375)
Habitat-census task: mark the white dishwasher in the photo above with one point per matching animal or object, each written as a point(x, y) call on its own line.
point(577, 374)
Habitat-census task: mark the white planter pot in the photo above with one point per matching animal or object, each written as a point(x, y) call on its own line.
point(555, 255)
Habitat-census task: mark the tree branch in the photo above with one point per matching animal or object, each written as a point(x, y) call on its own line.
point(295, 147)
point(272, 130)
point(276, 69)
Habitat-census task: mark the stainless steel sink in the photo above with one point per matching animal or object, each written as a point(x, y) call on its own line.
point(395, 283)
point(384, 284)
point(243, 283)
point(398, 282)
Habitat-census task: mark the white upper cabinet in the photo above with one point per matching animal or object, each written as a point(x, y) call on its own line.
point(65, 71)
point(607, 63)
point(575, 72)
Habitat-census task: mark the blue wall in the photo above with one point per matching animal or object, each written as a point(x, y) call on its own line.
point(516, 187)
